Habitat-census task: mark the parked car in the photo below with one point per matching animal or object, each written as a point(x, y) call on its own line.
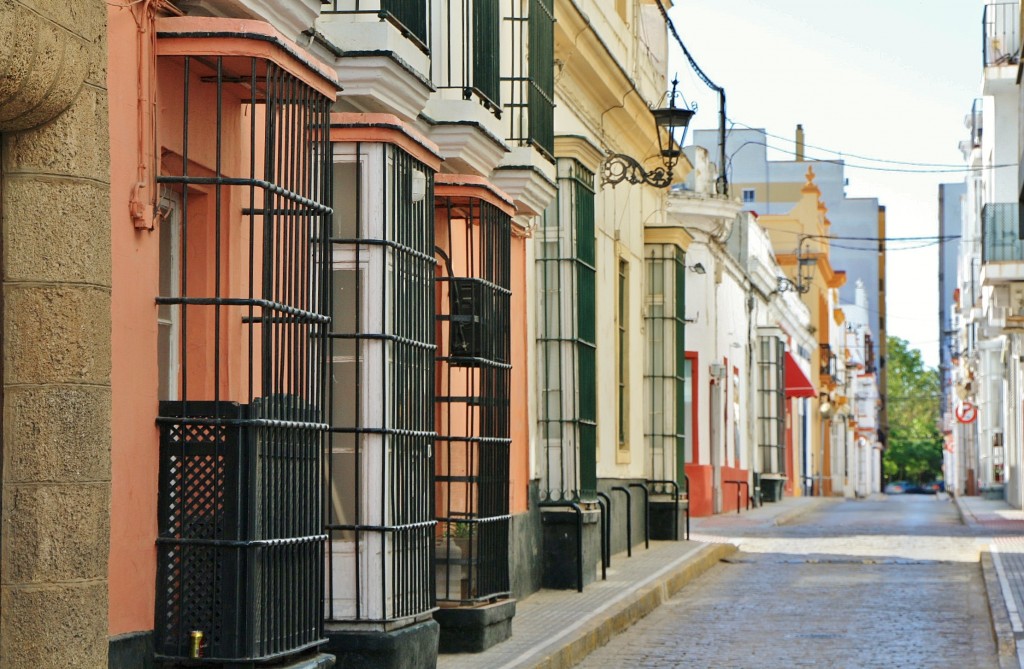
point(896, 487)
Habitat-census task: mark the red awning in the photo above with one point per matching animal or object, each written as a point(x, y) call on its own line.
point(797, 383)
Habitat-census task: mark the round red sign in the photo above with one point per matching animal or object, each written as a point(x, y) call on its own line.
point(966, 412)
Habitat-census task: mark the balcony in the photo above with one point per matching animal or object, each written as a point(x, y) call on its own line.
point(1002, 250)
point(383, 54)
point(1001, 34)
point(527, 172)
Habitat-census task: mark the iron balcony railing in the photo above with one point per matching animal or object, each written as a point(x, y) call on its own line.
point(1000, 34)
point(1000, 234)
point(467, 57)
point(412, 17)
point(529, 82)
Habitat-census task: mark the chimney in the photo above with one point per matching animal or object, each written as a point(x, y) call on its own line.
point(799, 142)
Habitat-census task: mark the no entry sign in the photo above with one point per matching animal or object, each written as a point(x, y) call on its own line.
point(966, 412)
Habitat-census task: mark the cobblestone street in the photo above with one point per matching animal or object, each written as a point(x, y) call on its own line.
point(888, 582)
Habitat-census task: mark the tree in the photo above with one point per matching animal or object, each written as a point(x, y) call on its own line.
point(914, 449)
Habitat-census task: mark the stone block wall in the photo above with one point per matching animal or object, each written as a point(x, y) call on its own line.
point(55, 333)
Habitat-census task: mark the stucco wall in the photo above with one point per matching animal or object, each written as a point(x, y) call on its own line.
point(56, 334)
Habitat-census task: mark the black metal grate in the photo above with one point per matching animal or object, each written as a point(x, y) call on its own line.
point(665, 365)
point(566, 340)
point(473, 444)
point(380, 515)
point(771, 404)
point(240, 545)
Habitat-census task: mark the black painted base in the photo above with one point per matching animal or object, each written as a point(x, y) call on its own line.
point(131, 651)
point(561, 548)
point(135, 651)
point(475, 629)
point(663, 526)
point(412, 647)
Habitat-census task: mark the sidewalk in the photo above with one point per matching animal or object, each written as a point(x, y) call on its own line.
point(555, 629)
point(1003, 569)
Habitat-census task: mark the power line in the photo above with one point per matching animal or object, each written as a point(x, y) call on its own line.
point(875, 168)
point(844, 153)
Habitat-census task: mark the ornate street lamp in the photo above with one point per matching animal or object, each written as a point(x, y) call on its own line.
point(619, 167)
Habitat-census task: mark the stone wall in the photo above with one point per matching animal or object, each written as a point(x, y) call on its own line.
point(55, 306)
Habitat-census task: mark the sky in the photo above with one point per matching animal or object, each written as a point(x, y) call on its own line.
point(886, 79)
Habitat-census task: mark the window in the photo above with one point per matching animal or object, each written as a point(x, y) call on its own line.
point(566, 351)
point(169, 315)
point(468, 64)
point(748, 195)
point(667, 396)
point(529, 79)
point(473, 363)
point(242, 318)
point(381, 418)
point(622, 356)
point(771, 404)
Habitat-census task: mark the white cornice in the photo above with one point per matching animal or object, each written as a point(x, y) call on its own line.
point(291, 18)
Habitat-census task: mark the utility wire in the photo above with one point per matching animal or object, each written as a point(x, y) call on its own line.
point(844, 153)
point(878, 168)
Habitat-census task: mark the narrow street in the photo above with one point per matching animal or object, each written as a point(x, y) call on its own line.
point(887, 582)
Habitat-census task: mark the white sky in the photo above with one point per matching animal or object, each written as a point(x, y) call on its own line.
point(888, 79)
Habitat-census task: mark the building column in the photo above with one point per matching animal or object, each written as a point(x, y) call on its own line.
point(55, 306)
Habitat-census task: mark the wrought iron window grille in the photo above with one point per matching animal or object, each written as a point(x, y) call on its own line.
point(240, 533)
point(567, 351)
point(379, 473)
point(665, 367)
point(771, 404)
point(469, 62)
point(472, 452)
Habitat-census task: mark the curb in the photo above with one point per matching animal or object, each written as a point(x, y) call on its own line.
point(1006, 643)
point(633, 607)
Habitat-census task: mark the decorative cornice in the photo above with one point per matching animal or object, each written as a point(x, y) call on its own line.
point(580, 148)
point(386, 128)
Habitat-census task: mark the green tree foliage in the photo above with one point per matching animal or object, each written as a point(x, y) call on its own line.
point(914, 451)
